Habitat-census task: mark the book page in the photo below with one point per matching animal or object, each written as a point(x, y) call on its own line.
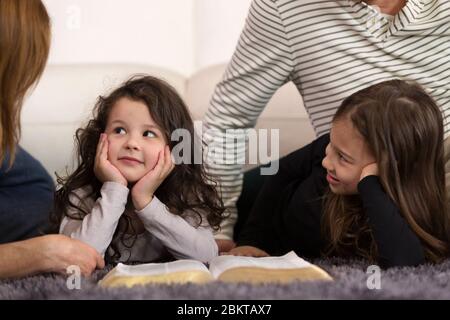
point(181, 271)
point(288, 261)
point(149, 269)
point(266, 269)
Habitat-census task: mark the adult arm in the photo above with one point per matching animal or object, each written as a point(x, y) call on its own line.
point(51, 253)
point(397, 244)
point(261, 64)
point(98, 227)
point(182, 240)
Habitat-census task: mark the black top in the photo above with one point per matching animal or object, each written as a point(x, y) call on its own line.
point(288, 210)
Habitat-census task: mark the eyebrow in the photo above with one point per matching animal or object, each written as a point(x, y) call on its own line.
point(345, 154)
point(152, 126)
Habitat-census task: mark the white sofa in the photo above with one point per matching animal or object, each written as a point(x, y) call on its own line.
point(66, 94)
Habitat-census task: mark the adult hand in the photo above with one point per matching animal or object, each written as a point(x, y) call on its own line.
point(370, 170)
point(104, 170)
point(248, 251)
point(143, 191)
point(60, 252)
point(225, 245)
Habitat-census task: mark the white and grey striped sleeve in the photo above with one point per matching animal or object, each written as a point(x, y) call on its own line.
point(262, 62)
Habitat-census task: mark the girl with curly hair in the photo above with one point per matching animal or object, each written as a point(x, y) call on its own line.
point(126, 198)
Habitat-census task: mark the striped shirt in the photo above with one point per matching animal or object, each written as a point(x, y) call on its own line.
point(329, 50)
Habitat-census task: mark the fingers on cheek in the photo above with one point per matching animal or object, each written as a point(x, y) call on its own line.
point(99, 147)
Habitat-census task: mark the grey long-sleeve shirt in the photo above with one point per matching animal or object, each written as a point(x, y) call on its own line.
point(165, 233)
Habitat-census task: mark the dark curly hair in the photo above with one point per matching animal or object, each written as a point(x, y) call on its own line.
point(187, 189)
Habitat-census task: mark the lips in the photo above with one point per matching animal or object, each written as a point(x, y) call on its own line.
point(331, 179)
point(130, 160)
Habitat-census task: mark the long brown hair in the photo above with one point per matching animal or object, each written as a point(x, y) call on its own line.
point(187, 189)
point(24, 47)
point(403, 127)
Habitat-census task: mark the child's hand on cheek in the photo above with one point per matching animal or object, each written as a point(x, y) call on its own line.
point(103, 169)
point(370, 170)
point(143, 191)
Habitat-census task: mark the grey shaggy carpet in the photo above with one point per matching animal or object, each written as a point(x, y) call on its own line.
point(423, 282)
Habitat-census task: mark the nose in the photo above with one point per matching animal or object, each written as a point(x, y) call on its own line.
point(326, 162)
point(132, 143)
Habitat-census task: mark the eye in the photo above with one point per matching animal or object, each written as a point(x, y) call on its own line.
point(149, 134)
point(342, 158)
point(119, 130)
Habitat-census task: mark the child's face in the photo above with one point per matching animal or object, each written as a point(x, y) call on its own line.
point(134, 139)
point(346, 155)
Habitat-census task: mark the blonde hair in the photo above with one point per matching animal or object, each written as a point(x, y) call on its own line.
point(24, 47)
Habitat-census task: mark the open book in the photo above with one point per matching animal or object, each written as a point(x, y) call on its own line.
point(282, 269)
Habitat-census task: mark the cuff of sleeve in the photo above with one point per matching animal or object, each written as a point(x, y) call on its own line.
point(368, 182)
point(225, 233)
point(221, 236)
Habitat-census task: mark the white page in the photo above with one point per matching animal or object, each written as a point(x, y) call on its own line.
point(288, 261)
point(150, 269)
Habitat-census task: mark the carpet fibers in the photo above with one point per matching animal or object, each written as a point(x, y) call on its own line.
point(352, 281)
